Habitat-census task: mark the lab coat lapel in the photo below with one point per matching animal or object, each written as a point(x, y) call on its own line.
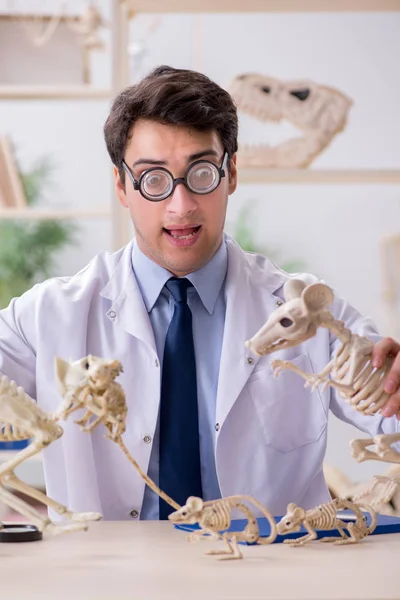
point(249, 301)
point(128, 309)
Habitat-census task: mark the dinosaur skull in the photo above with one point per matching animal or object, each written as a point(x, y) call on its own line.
point(318, 111)
point(295, 321)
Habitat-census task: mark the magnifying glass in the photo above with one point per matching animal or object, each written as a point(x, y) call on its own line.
point(19, 532)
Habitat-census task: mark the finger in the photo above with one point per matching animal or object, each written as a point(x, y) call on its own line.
point(392, 406)
point(382, 349)
point(392, 379)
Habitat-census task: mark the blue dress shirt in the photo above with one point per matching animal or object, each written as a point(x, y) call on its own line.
point(207, 303)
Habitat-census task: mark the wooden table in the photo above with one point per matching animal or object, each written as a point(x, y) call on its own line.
point(149, 560)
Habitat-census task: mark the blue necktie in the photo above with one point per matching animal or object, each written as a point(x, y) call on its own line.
point(180, 475)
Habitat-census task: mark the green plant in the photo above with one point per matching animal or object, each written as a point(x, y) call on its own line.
point(243, 234)
point(27, 247)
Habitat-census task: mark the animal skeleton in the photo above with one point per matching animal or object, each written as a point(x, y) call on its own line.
point(351, 369)
point(89, 383)
point(381, 493)
point(319, 111)
point(214, 516)
point(23, 419)
point(325, 517)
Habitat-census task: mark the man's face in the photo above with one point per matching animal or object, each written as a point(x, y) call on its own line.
point(182, 232)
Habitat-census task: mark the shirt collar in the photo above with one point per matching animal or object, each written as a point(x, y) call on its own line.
point(208, 280)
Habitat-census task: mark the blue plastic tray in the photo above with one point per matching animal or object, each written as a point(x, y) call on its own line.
point(385, 524)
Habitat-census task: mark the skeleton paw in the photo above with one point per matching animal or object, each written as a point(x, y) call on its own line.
point(293, 543)
point(277, 367)
point(86, 516)
point(225, 554)
point(382, 447)
point(314, 381)
point(194, 537)
point(68, 528)
point(357, 450)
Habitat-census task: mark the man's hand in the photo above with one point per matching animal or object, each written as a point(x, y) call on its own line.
point(382, 349)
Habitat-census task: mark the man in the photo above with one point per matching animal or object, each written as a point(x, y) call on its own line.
point(205, 415)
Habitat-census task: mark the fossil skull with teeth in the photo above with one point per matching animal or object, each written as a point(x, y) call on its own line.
point(320, 112)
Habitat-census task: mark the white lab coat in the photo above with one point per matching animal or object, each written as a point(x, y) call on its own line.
point(271, 434)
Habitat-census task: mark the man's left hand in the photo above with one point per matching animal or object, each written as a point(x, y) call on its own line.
point(382, 349)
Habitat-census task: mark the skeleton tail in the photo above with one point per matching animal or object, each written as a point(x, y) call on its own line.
point(370, 510)
point(143, 475)
point(357, 508)
point(272, 523)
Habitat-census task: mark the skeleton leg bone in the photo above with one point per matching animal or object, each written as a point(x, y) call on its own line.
point(34, 517)
point(24, 509)
point(383, 452)
point(353, 539)
point(311, 378)
point(233, 552)
point(13, 481)
point(33, 448)
point(340, 525)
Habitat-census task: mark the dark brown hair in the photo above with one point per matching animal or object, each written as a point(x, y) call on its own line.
point(171, 96)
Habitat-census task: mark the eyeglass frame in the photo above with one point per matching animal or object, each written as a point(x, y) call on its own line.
point(176, 180)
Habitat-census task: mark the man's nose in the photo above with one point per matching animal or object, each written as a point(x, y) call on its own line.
point(181, 201)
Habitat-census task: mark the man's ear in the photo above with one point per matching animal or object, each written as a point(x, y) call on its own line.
point(120, 188)
point(232, 174)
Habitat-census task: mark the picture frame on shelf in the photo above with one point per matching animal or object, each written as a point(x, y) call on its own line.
point(12, 194)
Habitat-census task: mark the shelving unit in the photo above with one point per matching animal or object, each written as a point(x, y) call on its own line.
point(53, 92)
point(189, 6)
point(43, 92)
point(306, 176)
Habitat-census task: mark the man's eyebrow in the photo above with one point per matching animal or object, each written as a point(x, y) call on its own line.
point(190, 158)
point(148, 161)
point(197, 155)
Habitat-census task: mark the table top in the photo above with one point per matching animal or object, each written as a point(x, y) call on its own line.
point(151, 559)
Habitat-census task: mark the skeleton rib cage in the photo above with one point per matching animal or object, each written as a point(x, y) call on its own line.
point(15, 405)
point(352, 366)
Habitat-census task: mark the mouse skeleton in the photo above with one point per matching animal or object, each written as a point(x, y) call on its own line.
point(350, 371)
point(22, 419)
point(214, 516)
point(325, 516)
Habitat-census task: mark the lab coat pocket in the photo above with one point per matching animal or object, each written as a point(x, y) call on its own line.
point(291, 415)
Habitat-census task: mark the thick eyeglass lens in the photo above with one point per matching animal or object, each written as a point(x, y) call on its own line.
point(203, 178)
point(156, 184)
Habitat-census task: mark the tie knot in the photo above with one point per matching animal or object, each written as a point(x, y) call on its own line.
point(178, 288)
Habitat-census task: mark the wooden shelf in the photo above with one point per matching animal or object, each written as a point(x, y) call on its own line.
point(204, 6)
point(339, 176)
point(51, 92)
point(41, 214)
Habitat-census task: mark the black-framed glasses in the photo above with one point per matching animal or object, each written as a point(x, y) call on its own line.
point(157, 183)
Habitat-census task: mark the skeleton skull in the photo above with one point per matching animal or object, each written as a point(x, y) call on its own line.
point(91, 370)
point(319, 111)
point(292, 521)
point(189, 513)
point(295, 321)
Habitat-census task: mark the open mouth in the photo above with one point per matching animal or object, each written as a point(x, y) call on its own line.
point(183, 234)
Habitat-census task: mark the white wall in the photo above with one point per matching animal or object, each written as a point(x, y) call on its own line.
point(334, 229)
